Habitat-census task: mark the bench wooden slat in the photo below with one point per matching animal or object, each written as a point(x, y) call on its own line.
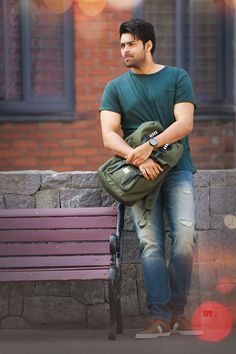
point(53, 249)
point(56, 235)
point(55, 261)
point(54, 274)
point(60, 212)
point(57, 222)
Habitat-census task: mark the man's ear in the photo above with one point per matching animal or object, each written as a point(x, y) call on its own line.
point(148, 45)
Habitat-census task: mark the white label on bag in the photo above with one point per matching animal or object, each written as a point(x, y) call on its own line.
point(126, 170)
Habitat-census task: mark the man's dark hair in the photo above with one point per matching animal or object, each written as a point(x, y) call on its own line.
point(140, 29)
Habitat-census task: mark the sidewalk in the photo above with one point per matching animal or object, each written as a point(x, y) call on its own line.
point(91, 342)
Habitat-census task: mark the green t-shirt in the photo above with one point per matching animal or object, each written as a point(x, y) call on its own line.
point(139, 98)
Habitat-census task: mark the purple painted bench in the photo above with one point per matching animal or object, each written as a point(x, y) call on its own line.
point(64, 244)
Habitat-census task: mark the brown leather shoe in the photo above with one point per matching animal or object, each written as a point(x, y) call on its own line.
point(181, 325)
point(156, 328)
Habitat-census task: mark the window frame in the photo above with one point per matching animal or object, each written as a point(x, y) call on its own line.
point(49, 108)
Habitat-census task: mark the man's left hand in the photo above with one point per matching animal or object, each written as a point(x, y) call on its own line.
point(139, 154)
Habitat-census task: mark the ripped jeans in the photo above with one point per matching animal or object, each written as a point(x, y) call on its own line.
point(167, 283)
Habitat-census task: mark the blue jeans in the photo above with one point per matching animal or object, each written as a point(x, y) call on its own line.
point(167, 283)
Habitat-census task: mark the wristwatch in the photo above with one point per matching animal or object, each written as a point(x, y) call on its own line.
point(153, 142)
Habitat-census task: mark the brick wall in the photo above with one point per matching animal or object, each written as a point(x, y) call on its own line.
point(213, 144)
point(77, 145)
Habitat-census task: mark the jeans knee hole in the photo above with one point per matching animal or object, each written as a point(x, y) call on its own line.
point(186, 223)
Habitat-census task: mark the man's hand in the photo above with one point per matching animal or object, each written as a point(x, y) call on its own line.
point(150, 169)
point(139, 154)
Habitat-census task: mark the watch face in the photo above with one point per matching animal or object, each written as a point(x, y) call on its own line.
point(153, 142)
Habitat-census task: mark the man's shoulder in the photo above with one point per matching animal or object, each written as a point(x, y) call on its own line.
point(118, 80)
point(174, 70)
point(177, 71)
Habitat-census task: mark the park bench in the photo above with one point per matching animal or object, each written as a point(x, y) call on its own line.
point(64, 244)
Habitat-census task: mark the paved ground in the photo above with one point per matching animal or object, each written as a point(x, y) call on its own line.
point(91, 342)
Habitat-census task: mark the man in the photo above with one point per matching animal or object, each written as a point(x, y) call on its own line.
point(149, 92)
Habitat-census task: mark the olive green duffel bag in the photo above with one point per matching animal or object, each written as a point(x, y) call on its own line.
point(124, 181)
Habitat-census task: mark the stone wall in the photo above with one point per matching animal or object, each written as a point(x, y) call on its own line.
point(85, 304)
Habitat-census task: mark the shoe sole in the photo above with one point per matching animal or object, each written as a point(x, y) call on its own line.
point(188, 333)
point(152, 335)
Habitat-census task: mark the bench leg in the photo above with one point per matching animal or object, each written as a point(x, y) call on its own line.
point(118, 306)
point(119, 317)
point(113, 312)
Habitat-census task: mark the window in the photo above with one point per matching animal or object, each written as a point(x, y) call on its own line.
point(36, 60)
point(198, 35)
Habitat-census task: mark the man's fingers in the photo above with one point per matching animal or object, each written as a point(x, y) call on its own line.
point(159, 167)
point(144, 173)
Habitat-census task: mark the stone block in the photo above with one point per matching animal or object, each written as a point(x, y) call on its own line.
point(217, 241)
point(232, 309)
point(230, 245)
point(194, 301)
point(42, 310)
point(230, 200)
point(72, 198)
point(131, 252)
point(54, 288)
point(98, 316)
point(85, 179)
point(201, 179)
point(218, 179)
point(222, 200)
point(202, 208)
point(48, 198)
point(221, 271)
point(15, 322)
point(129, 224)
point(56, 180)
point(19, 201)
point(134, 321)
point(2, 202)
point(207, 276)
point(4, 298)
point(16, 300)
point(217, 222)
point(88, 292)
point(210, 245)
point(195, 282)
point(230, 269)
point(141, 290)
point(107, 199)
point(129, 295)
point(25, 183)
point(231, 177)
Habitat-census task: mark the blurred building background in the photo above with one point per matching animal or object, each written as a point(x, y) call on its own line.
point(57, 55)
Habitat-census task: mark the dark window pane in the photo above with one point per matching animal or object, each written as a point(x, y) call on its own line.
point(46, 51)
point(12, 49)
point(162, 15)
point(1, 54)
point(36, 58)
point(203, 53)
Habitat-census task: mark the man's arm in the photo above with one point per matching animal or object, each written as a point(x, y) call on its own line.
point(182, 126)
point(110, 124)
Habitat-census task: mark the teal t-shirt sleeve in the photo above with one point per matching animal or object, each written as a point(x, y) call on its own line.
point(110, 100)
point(184, 88)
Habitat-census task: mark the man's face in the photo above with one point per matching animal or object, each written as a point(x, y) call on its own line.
point(132, 50)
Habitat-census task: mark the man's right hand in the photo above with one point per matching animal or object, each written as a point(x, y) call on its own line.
point(150, 169)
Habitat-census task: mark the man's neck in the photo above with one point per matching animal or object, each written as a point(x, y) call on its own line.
point(148, 69)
